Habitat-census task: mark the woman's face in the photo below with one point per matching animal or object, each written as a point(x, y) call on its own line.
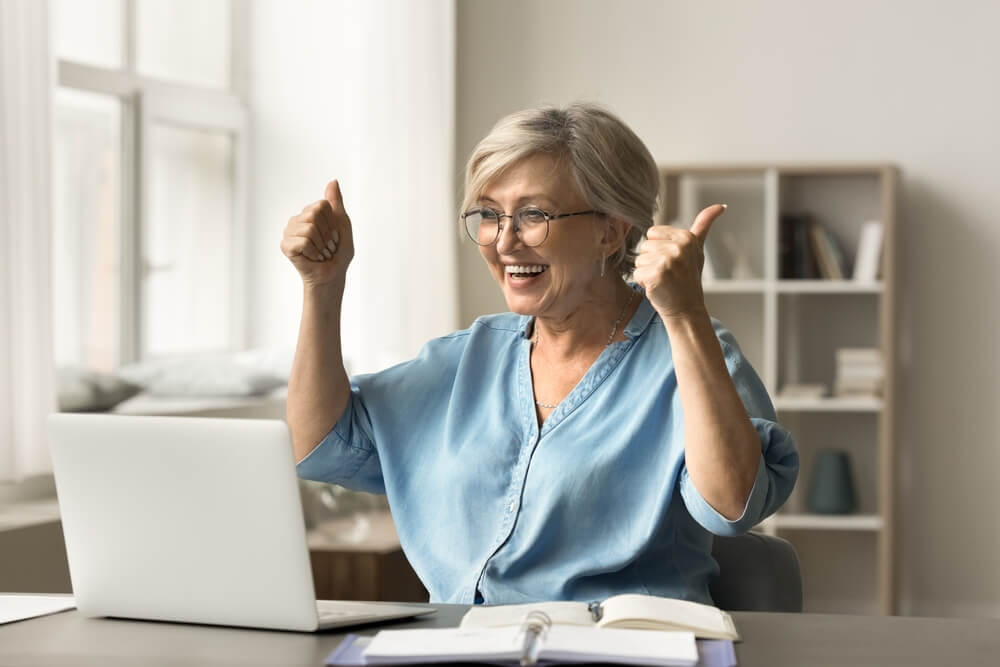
point(570, 256)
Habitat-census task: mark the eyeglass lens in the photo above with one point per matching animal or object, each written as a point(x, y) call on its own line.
point(483, 226)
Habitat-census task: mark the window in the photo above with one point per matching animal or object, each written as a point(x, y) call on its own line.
point(149, 179)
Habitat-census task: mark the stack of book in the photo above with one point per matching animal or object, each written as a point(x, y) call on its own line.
point(859, 372)
point(797, 391)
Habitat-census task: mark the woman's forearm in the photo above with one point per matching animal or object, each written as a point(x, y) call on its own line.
point(722, 449)
point(318, 388)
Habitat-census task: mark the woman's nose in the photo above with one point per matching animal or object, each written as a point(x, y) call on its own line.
point(508, 239)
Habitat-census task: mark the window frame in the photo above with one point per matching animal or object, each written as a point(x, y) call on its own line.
point(145, 100)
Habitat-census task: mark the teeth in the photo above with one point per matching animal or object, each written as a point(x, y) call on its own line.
point(529, 268)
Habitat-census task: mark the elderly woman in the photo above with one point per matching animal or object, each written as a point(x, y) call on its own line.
point(589, 442)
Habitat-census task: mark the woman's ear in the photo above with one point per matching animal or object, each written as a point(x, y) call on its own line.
point(615, 232)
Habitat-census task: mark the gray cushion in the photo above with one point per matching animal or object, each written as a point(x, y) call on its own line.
point(84, 390)
point(209, 375)
point(757, 572)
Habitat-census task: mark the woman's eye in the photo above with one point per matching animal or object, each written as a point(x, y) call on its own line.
point(532, 215)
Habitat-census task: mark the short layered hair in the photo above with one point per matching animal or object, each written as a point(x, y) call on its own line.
point(611, 167)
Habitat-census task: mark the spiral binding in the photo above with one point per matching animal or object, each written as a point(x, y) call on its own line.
point(535, 627)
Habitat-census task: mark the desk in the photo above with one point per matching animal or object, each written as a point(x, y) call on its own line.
point(770, 640)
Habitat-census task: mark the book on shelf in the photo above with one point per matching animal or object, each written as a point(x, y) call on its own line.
point(859, 372)
point(829, 258)
point(859, 355)
point(802, 391)
point(857, 389)
point(629, 610)
point(869, 257)
point(796, 259)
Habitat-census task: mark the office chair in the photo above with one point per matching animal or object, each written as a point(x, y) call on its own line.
point(757, 572)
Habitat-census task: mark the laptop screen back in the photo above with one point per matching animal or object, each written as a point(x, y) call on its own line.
point(183, 519)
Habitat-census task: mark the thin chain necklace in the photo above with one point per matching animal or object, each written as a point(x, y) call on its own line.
point(611, 337)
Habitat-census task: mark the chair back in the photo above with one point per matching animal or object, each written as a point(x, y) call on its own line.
point(757, 572)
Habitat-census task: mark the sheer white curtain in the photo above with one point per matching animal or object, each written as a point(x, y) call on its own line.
point(404, 289)
point(27, 392)
point(363, 92)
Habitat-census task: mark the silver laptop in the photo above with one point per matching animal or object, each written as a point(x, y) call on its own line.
point(192, 520)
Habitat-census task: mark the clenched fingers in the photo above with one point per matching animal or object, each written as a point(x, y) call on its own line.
point(311, 234)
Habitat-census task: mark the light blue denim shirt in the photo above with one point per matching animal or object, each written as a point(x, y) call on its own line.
point(491, 508)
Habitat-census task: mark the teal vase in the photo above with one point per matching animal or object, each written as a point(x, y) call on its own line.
point(831, 489)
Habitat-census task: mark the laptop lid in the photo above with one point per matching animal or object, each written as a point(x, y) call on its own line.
point(183, 519)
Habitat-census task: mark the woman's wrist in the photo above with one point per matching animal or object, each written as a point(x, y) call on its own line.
point(695, 318)
point(328, 293)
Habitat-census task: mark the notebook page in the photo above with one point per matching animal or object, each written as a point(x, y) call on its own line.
point(633, 647)
point(443, 645)
point(561, 613)
point(646, 611)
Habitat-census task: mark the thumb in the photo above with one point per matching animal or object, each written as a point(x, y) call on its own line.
point(703, 222)
point(332, 194)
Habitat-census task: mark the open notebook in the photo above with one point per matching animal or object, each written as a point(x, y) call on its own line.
point(506, 645)
point(641, 612)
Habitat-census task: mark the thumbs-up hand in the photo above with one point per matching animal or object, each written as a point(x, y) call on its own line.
point(669, 264)
point(318, 241)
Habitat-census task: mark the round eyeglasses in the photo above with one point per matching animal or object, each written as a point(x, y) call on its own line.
point(483, 225)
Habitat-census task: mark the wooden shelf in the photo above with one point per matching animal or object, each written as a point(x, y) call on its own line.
point(725, 286)
point(828, 404)
point(790, 330)
point(864, 522)
point(828, 287)
point(734, 286)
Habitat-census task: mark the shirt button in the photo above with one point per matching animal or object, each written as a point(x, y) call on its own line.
point(510, 508)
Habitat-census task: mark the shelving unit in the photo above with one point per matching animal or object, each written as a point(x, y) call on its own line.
point(790, 329)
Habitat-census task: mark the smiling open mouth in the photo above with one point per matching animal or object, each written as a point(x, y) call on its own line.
point(524, 271)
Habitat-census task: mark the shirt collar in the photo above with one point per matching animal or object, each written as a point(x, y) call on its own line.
point(643, 316)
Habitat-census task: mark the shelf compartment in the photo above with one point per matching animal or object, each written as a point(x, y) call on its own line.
point(862, 522)
point(812, 327)
point(855, 433)
point(737, 234)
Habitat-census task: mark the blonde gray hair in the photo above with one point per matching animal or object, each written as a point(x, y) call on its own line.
point(609, 164)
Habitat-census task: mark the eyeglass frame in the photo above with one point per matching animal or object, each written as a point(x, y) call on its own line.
point(514, 219)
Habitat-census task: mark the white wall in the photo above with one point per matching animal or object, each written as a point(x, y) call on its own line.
point(909, 82)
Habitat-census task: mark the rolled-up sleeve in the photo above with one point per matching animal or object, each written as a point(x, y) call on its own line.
point(776, 473)
point(347, 454)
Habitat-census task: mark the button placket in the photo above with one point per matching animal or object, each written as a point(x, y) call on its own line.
point(529, 427)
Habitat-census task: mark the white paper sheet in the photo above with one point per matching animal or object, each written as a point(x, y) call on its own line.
point(20, 607)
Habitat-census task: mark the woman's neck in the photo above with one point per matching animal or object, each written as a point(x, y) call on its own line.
point(586, 328)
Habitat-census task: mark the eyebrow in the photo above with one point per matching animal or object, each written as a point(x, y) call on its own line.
point(522, 200)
